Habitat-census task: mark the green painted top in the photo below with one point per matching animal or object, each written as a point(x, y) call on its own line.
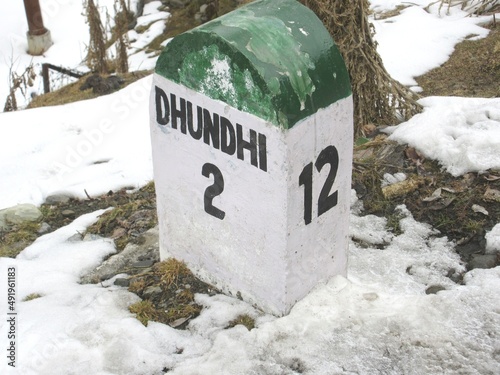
point(270, 58)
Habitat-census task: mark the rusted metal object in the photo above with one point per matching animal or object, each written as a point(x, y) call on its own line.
point(34, 17)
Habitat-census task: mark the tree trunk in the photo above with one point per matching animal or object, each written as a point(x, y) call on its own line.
point(378, 98)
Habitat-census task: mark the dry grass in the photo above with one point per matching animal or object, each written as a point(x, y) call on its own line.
point(245, 320)
point(72, 93)
point(170, 271)
point(18, 238)
point(474, 68)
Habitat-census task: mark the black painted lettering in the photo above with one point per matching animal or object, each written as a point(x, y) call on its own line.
point(196, 134)
point(217, 131)
point(162, 107)
point(227, 136)
point(178, 113)
point(189, 107)
point(213, 190)
point(251, 145)
point(326, 201)
point(305, 179)
point(211, 128)
point(262, 152)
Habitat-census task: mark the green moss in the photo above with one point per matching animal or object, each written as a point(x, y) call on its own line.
point(31, 297)
point(18, 238)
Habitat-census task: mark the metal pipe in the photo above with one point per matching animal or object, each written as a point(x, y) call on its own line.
point(34, 17)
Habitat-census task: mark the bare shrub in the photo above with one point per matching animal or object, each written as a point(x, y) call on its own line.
point(378, 98)
point(97, 59)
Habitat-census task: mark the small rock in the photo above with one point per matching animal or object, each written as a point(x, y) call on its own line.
point(151, 290)
point(19, 214)
point(122, 282)
point(68, 213)
point(91, 237)
point(143, 264)
point(178, 3)
point(433, 289)
point(118, 232)
point(483, 261)
point(44, 228)
point(77, 237)
point(370, 296)
point(187, 286)
point(57, 198)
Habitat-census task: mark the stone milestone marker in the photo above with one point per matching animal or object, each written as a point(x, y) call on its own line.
point(251, 127)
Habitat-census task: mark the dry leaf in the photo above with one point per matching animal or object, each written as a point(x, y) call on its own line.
point(442, 204)
point(491, 195)
point(178, 322)
point(479, 209)
point(435, 195)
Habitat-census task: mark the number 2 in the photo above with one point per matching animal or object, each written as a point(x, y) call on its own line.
point(213, 190)
point(326, 201)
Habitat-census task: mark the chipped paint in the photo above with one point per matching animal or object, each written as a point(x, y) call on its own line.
point(271, 58)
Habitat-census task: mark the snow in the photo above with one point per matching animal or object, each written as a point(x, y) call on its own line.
point(69, 49)
point(94, 145)
point(416, 41)
point(465, 133)
point(379, 320)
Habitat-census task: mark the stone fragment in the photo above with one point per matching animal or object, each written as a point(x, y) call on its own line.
point(68, 213)
point(433, 289)
point(122, 282)
point(44, 228)
point(91, 237)
point(19, 214)
point(57, 198)
point(132, 253)
point(483, 261)
point(143, 264)
point(151, 290)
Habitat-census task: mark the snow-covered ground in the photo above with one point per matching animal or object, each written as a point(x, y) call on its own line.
point(377, 321)
point(70, 33)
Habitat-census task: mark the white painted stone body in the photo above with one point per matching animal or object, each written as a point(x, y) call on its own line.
point(262, 249)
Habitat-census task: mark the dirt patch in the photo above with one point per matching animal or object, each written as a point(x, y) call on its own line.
point(462, 208)
point(473, 70)
point(132, 212)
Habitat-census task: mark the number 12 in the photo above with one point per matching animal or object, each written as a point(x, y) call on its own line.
point(326, 201)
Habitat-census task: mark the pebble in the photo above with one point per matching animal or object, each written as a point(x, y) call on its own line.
point(19, 214)
point(77, 237)
point(57, 198)
point(44, 228)
point(122, 282)
point(68, 213)
point(143, 264)
point(433, 289)
point(151, 290)
point(91, 237)
point(483, 261)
